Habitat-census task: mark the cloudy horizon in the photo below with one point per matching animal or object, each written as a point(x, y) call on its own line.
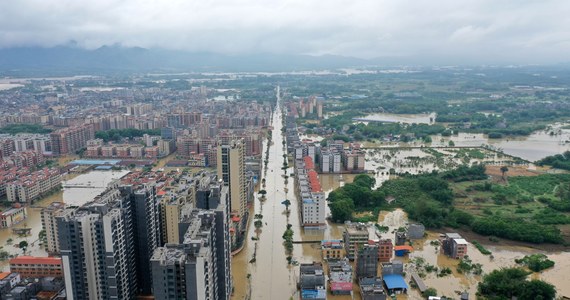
point(474, 31)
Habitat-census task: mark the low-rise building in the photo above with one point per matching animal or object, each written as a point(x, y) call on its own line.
point(454, 246)
point(332, 249)
point(31, 187)
point(385, 249)
point(312, 281)
point(30, 266)
point(340, 277)
point(367, 261)
point(416, 231)
point(355, 235)
point(371, 288)
point(12, 216)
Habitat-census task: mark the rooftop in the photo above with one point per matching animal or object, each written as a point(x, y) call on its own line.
point(395, 281)
point(36, 260)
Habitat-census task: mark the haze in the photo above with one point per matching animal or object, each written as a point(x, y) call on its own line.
point(439, 31)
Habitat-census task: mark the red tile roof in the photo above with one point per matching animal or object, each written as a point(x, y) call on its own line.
point(309, 164)
point(404, 247)
point(36, 260)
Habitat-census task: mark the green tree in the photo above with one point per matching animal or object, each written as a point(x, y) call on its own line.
point(511, 282)
point(430, 292)
point(536, 290)
point(23, 245)
point(341, 210)
point(504, 170)
point(536, 262)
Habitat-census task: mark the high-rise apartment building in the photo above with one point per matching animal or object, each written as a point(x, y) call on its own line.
point(231, 169)
point(106, 244)
point(97, 249)
point(146, 230)
point(49, 225)
point(68, 140)
point(213, 195)
point(188, 270)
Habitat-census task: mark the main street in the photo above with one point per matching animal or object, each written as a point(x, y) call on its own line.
point(271, 277)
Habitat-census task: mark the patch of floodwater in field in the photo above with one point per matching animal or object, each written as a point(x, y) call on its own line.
point(503, 256)
point(533, 147)
point(398, 118)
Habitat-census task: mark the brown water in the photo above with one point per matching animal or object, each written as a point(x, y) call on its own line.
point(75, 196)
point(399, 118)
point(416, 160)
point(533, 147)
point(34, 222)
point(503, 256)
point(270, 276)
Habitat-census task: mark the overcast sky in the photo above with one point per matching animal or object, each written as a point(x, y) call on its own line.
point(475, 31)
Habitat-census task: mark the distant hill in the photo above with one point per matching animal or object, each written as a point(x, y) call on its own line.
point(63, 59)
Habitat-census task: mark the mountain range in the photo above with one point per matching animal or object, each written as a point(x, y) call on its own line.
point(65, 59)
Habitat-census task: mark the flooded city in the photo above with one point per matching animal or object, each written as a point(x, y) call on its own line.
point(261, 269)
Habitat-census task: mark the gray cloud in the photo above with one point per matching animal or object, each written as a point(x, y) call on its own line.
point(472, 30)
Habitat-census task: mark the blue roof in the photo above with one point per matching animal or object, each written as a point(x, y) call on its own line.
point(95, 162)
point(103, 167)
point(395, 281)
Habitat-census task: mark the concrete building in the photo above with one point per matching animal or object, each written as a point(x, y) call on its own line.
point(353, 160)
point(385, 250)
point(416, 231)
point(188, 270)
point(340, 277)
point(454, 246)
point(49, 225)
point(400, 238)
point(97, 249)
point(106, 244)
point(13, 216)
point(355, 235)
point(68, 140)
point(331, 161)
point(231, 169)
point(367, 261)
point(35, 267)
point(332, 250)
point(311, 194)
point(212, 195)
point(371, 288)
point(30, 187)
point(312, 281)
point(145, 215)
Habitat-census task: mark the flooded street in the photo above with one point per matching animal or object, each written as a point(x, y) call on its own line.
point(270, 276)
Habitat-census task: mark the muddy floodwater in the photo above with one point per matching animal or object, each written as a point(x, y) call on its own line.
point(398, 118)
point(269, 276)
point(533, 147)
point(503, 256)
point(76, 191)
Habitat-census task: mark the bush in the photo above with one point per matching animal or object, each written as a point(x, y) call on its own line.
point(536, 262)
